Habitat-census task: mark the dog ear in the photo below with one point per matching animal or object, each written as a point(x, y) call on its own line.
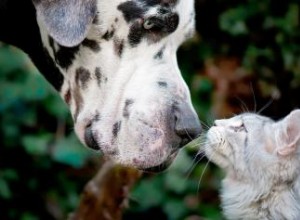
point(67, 21)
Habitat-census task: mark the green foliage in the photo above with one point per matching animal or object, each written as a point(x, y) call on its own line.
point(176, 192)
point(38, 159)
point(70, 152)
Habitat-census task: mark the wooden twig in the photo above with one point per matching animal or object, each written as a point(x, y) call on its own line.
point(106, 195)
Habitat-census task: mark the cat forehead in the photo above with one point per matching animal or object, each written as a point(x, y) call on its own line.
point(251, 118)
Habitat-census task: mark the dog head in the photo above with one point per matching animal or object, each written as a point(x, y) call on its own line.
point(121, 77)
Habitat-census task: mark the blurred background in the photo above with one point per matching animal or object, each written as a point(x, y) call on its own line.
point(245, 57)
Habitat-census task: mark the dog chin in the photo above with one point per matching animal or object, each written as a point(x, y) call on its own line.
point(148, 162)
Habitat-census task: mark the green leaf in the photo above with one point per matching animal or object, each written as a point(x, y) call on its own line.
point(182, 162)
point(176, 182)
point(9, 174)
point(175, 209)
point(149, 193)
point(233, 21)
point(71, 152)
point(5, 191)
point(11, 59)
point(28, 216)
point(35, 88)
point(37, 145)
point(55, 106)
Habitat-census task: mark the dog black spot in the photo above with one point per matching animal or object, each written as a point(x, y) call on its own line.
point(108, 35)
point(131, 10)
point(78, 103)
point(67, 97)
point(163, 26)
point(165, 3)
point(151, 3)
point(136, 34)
point(119, 46)
point(50, 70)
point(98, 75)
point(160, 53)
point(51, 43)
point(82, 76)
point(128, 103)
point(97, 117)
point(171, 23)
point(162, 84)
point(169, 2)
point(116, 20)
point(65, 55)
point(92, 44)
point(116, 128)
point(96, 19)
point(164, 10)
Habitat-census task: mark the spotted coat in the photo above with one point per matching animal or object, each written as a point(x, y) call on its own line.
point(114, 63)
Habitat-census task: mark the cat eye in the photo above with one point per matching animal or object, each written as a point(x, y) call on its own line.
point(238, 128)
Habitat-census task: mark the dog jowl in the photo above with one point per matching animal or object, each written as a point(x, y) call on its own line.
point(115, 65)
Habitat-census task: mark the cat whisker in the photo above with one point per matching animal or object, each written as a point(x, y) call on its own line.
point(188, 134)
point(194, 163)
point(244, 107)
point(254, 98)
point(210, 121)
point(204, 169)
point(196, 142)
point(206, 126)
point(202, 174)
point(266, 106)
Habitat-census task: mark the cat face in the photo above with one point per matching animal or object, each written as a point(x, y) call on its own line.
point(250, 146)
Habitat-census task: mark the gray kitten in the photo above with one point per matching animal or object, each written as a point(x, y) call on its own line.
point(261, 159)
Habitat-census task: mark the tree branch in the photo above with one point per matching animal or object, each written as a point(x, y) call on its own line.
point(106, 195)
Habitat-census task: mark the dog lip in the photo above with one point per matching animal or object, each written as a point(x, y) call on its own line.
point(89, 138)
point(158, 168)
point(163, 166)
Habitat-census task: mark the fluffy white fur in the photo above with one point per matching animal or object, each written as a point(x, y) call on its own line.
point(261, 159)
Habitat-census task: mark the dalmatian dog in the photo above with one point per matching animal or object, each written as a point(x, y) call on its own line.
point(114, 64)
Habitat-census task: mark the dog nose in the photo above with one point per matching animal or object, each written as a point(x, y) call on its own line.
point(89, 138)
point(187, 124)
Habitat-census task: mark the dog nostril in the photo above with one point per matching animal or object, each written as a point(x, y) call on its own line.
point(89, 138)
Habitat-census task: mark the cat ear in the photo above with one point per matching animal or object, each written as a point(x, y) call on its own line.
point(289, 133)
point(67, 21)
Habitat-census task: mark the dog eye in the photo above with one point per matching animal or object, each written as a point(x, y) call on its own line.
point(148, 24)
